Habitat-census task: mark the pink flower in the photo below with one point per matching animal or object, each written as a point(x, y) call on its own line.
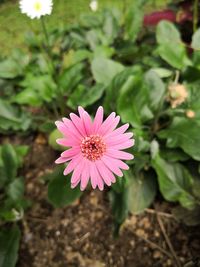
point(94, 148)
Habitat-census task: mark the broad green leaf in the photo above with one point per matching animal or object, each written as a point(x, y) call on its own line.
point(119, 204)
point(71, 77)
point(21, 152)
point(38, 89)
point(9, 69)
point(12, 118)
point(85, 96)
point(112, 91)
point(175, 182)
point(183, 133)
point(110, 26)
point(162, 72)
point(10, 162)
point(189, 217)
point(60, 193)
point(156, 89)
point(132, 102)
point(171, 48)
point(9, 245)
point(54, 135)
point(141, 192)
point(134, 20)
point(15, 189)
point(104, 70)
point(196, 40)
point(174, 155)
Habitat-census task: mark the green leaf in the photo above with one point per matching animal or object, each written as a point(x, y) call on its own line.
point(12, 118)
point(84, 96)
point(132, 102)
point(10, 162)
point(54, 135)
point(112, 92)
point(156, 90)
point(104, 70)
point(15, 189)
point(60, 193)
point(162, 72)
point(71, 77)
point(37, 90)
point(174, 155)
point(9, 69)
point(119, 206)
point(9, 245)
point(183, 133)
point(141, 191)
point(134, 20)
point(189, 217)
point(196, 40)
point(171, 48)
point(21, 152)
point(175, 182)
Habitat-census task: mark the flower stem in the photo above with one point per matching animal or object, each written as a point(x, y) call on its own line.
point(45, 33)
point(195, 15)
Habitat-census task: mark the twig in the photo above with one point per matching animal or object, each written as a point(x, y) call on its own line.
point(162, 227)
point(154, 245)
point(160, 213)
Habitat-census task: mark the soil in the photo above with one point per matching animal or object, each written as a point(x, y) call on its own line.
point(81, 235)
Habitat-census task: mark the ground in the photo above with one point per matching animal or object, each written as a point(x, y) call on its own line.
point(81, 235)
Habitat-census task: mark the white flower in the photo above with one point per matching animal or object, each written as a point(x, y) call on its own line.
point(94, 5)
point(36, 8)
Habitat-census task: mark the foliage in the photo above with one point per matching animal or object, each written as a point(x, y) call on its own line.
point(109, 59)
point(13, 201)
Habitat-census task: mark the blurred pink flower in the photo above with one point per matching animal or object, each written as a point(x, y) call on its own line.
point(95, 148)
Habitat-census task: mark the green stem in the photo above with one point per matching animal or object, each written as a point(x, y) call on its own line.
point(195, 15)
point(45, 32)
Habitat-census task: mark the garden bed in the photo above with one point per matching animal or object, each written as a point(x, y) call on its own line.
point(82, 234)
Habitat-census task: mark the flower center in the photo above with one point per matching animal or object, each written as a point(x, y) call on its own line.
point(93, 147)
point(37, 6)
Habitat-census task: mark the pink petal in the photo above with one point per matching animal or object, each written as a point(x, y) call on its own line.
point(72, 129)
point(85, 176)
point(118, 154)
point(118, 139)
point(75, 184)
point(112, 126)
point(118, 131)
point(67, 142)
point(98, 178)
point(78, 123)
point(98, 120)
point(107, 123)
point(70, 152)
point(72, 164)
point(62, 160)
point(88, 123)
point(76, 176)
point(107, 175)
point(93, 176)
point(81, 111)
point(125, 145)
point(110, 163)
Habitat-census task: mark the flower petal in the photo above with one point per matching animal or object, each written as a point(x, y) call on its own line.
point(98, 119)
point(124, 145)
point(119, 130)
point(70, 152)
point(85, 176)
point(72, 164)
point(117, 154)
point(106, 175)
point(110, 163)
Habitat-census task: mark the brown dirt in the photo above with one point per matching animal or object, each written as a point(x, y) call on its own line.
point(81, 235)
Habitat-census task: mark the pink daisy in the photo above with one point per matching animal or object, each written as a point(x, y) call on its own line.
point(94, 148)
